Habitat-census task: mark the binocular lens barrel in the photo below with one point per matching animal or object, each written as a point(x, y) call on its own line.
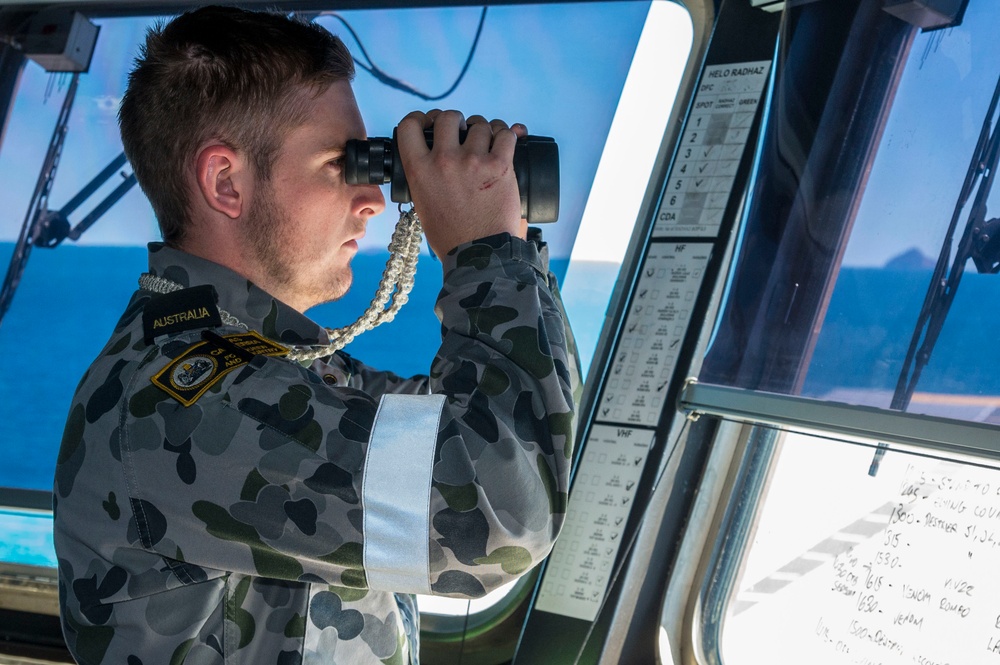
point(536, 166)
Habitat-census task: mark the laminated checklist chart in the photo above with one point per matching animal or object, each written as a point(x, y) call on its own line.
point(710, 150)
point(655, 326)
point(580, 566)
point(632, 435)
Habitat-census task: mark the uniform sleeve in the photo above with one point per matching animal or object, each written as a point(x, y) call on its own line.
point(275, 473)
point(509, 371)
point(378, 382)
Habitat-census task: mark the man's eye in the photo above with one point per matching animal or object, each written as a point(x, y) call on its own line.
point(337, 163)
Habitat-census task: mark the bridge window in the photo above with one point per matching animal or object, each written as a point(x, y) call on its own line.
point(843, 567)
point(554, 81)
point(858, 324)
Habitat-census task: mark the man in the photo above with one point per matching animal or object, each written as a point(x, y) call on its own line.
point(217, 502)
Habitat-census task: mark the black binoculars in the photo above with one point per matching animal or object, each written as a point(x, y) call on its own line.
point(536, 166)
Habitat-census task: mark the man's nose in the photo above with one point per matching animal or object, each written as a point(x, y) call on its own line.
point(368, 201)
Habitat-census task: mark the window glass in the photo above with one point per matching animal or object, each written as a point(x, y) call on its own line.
point(27, 537)
point(831, 279)
point(624, 171)
point(70, 297)
point(554, 81)
point(846, 568)
point(863, 272)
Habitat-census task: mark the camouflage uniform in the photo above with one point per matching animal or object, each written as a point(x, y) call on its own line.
point(289, 512)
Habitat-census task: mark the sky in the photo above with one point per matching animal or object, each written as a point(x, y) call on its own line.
point(926, 149)
point(558, 68)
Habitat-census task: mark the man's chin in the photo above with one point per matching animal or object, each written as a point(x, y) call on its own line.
point(334, 292)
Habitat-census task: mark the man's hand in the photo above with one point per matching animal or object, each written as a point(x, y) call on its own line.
point(462, 191)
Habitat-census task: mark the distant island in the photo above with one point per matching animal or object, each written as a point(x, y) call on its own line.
point(911, 259)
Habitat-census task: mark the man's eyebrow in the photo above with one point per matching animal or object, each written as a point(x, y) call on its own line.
point(331, 149)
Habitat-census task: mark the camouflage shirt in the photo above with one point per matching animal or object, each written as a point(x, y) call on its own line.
point(217, 503)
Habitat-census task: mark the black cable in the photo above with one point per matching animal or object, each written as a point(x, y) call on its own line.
point(465, 630)
point(399, 84)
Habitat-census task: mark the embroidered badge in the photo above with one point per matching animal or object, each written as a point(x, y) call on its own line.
point(187, 309)
point(194, 371)
point(190, 375)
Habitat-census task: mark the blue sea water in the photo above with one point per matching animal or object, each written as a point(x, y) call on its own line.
point(67, 305)
point(27, 538)
point(869, 324)
point(71, 297)
point(63, 313)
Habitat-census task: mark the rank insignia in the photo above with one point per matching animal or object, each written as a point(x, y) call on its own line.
point(190, 375)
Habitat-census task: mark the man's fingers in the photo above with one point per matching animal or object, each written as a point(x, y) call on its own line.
point(463, 191)
point(410, 133)
point(482, 133)
point(480, 137)
point(503, 144)
point(446, 127)
point(496, 126)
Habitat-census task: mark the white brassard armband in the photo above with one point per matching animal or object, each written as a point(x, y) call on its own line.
point(396, 490)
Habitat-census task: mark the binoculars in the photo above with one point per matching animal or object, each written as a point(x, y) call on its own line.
point(536, 166)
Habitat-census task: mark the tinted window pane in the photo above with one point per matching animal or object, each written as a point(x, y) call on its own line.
point(554, 81)
point(862, 169)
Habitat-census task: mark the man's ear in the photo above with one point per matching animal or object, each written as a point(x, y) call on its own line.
point(222, 177)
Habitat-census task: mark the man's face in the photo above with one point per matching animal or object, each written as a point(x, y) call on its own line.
point(303, 224)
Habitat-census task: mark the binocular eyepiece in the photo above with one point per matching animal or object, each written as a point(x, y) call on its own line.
point(536, 166)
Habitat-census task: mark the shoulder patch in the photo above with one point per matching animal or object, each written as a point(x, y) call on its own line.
point(178, 311)
point(189, 376)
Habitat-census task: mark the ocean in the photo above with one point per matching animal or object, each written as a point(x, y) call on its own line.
point(63, 313)
point(70, 299)
point(868, 327)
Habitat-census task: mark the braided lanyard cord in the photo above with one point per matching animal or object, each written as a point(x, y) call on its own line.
point(393, 289)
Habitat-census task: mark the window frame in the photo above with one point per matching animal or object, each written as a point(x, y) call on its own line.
point(32, 591)
point(748, 439)
point(758, 423)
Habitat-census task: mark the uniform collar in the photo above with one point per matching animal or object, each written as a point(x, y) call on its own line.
point(237, 295)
